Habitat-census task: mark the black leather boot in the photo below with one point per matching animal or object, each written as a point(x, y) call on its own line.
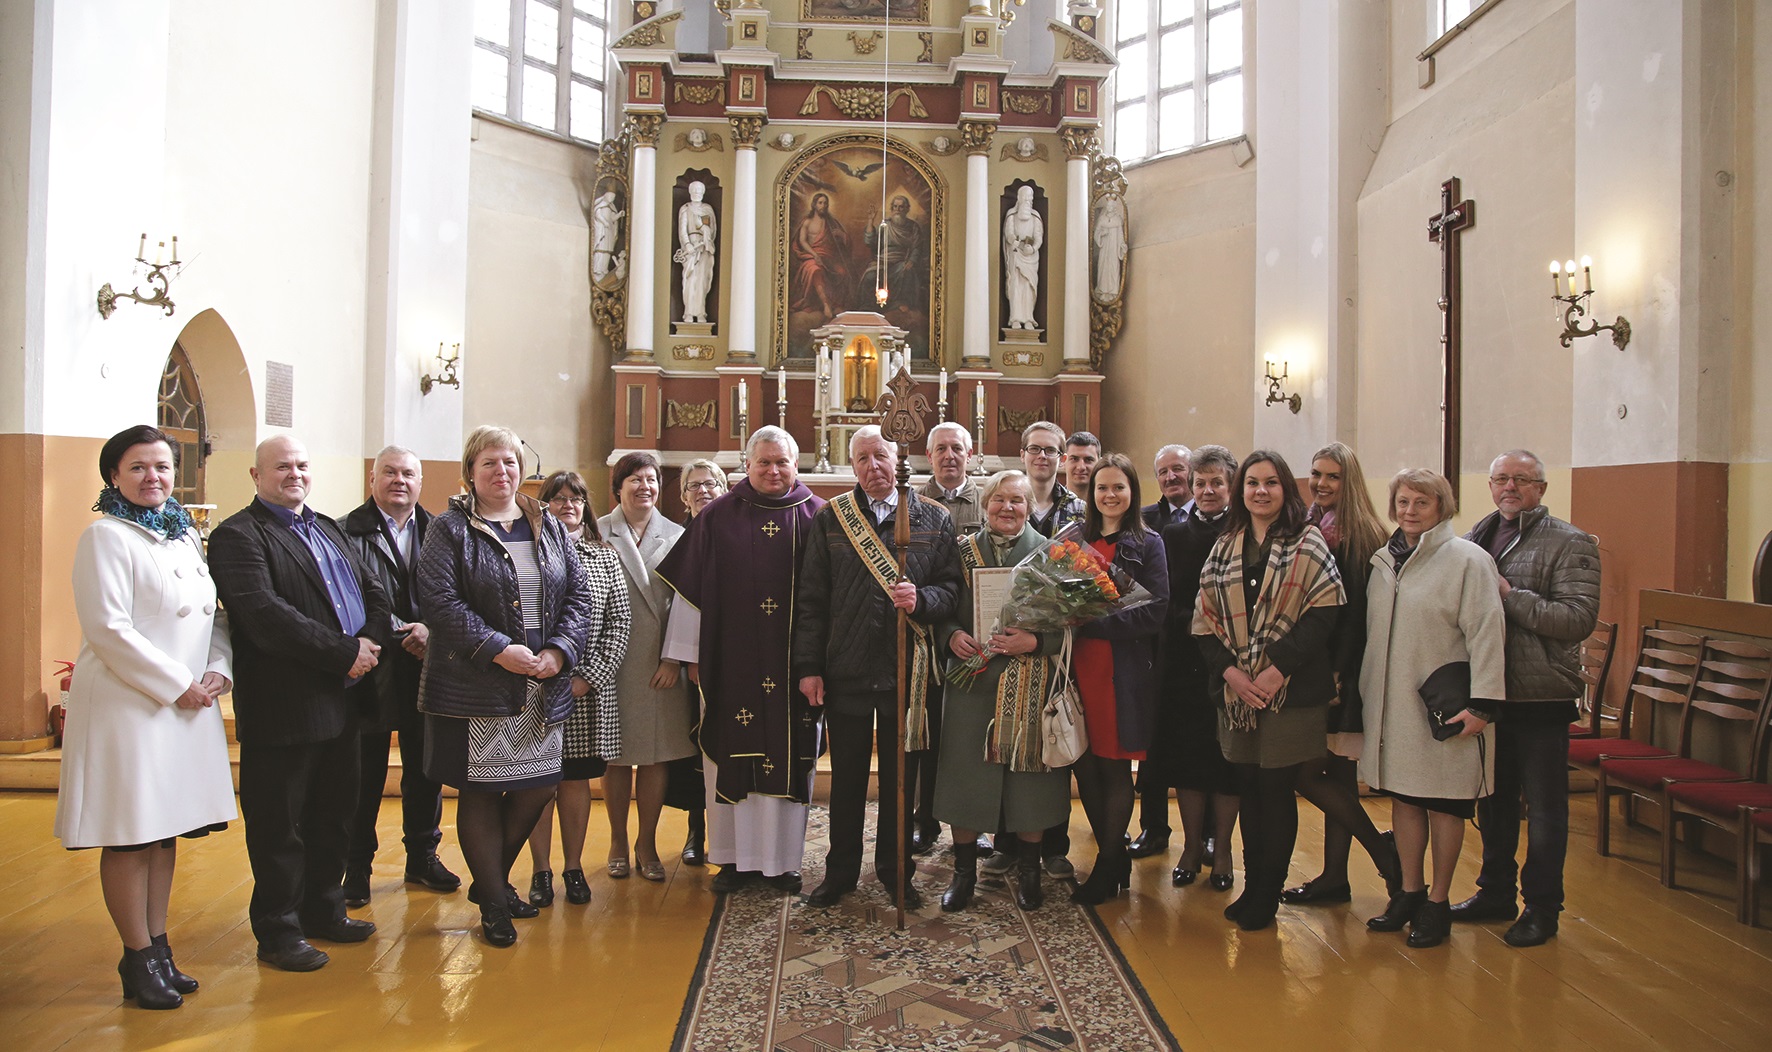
point(1403, 907)
point(1027, 878)
point(145, 980)
point(695, 849)
point(1433, 922)
point(959, 893)
point(179, 981)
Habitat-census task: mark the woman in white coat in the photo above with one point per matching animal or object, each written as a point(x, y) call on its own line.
point(650, 692)
point(1433, 610)
point(144, 754)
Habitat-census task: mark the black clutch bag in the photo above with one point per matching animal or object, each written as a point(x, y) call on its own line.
point(1446, 693)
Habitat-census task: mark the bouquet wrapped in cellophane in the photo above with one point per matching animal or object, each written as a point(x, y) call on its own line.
point(1061, 585)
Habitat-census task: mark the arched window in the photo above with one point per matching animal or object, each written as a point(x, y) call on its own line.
point(1180, 79)
point(543, 63)
point(180, 414)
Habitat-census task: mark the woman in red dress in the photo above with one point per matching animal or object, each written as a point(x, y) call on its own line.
point(1115, 660)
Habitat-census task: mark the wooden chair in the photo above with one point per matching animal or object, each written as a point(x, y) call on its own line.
point(1714, 691)
point(1755, 827)
point(1734, 677)
point(1667, 663)
point(1596, 668)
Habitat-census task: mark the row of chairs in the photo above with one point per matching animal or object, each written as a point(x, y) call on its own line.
point(1677, 676)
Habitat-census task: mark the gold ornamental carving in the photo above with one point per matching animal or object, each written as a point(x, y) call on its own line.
point(699, 93)
point(649, 33)
point(975, 136)
point(1031, 359)
point(803, 47)
point(862, 103)
point(693, 352)
point(746, 132)
point(928, 52)
point(645, 128)
point(1028, 102)
point(1079, 143)
point(1017, 420)
point(690, 414)
point(865, 43)
point(1078, 47)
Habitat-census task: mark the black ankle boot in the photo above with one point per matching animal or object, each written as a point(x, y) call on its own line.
point(1433, 922)
point(1111, 873)
point(1403, 907)
point(145, 980)
point(959, 893)
point(1028, 871)
point(178, 980)
point(695, 849)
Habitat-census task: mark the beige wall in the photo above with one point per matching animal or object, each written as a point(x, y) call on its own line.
point(1178, 371)
point(539, 364)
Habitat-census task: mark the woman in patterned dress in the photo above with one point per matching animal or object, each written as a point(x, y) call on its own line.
point(509, 604)
point(593, 730)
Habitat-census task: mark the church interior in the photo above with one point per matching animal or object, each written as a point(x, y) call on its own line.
point(618, 225)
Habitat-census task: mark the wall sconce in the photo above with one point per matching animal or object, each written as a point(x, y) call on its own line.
point(446, 359)
point(1577, 302)
point(1276, 394)
point(108, 297)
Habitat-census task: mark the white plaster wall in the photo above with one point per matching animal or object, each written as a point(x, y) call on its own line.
point(23, 157)
point(1497, 29)
point(537, 362)
point(1752, 371)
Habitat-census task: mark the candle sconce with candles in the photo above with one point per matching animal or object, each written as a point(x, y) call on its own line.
point(157, 277)
point(1276, 393)
point(447, 359)
point(1577, 302)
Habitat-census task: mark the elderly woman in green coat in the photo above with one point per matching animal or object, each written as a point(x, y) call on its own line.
point(990, 775)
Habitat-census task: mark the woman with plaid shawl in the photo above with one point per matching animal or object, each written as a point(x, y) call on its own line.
point(1269, 598)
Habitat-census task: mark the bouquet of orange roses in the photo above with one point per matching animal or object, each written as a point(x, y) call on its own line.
point(1062, 585)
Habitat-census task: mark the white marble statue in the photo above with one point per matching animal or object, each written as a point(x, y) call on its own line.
point(1109, 237)
point(1023, 232)
point(605, 227)
point(696, 229)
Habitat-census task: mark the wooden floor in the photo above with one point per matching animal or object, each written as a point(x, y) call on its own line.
point(1636, 966)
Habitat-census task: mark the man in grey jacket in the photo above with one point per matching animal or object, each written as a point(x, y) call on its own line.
point(1550, 590)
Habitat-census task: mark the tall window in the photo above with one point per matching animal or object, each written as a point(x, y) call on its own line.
point(180, 414)
point(543, 63)
point(1451, 13)
point(1180, 80)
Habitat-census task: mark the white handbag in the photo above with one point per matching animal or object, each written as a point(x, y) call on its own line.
point(1065, 738)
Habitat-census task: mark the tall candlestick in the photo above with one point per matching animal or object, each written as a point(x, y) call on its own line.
point(744, 403)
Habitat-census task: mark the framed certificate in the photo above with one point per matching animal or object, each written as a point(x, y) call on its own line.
point(990, 590)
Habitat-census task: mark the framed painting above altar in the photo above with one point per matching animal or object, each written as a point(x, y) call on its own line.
point(864, 10)
point(833, 252)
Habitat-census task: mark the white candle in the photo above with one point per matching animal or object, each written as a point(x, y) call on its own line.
point(944, 385)
point(781, 384)
point(141, 252)
point(744, 405)
point(978, 403)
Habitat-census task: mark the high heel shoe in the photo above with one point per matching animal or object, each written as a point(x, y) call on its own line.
point(1221, 880)
point(145, 980)
point(1104, 882)
point(178, 980)
point(578, 891)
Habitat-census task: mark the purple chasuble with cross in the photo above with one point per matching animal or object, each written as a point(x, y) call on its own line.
point(737, 563)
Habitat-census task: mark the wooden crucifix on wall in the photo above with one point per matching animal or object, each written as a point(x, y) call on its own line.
point(1446, 229)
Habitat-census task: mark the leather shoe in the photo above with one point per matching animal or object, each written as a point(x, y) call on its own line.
point(298, 956)
point(695, 851)
point(518, 905)
point(1400, 911)
point(356, 887)
point(1222, 881)
point(913, 899)
point(1317, 892)
point(1432, 923)
point(541, 889)
point(786, 883)
point(1534, 928)
point(925, 833)
point(1149, 842)
point(1485, 907)
point(578, 890)
point(830, 892)
point(731, 878)
point(1181, 878)
point(344, 929)
point(432, 873)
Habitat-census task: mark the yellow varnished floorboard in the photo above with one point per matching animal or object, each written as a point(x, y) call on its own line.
point(1636, 966)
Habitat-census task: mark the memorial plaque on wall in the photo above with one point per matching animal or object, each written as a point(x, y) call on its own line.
point(279, 394)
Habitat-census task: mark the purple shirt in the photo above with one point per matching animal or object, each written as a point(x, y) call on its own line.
point(335, 569)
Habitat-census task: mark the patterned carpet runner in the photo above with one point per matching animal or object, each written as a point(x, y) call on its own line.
point(780, 976)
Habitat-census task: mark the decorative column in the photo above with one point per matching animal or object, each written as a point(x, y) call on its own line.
point(741, 339)
point(642, 236)
point(976, 332)
point(1079, 146)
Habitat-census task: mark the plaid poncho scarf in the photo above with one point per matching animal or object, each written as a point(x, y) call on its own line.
point(1014, 737)
point(1301, 575)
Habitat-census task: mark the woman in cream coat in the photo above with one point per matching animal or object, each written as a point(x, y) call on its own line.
point(145, 757)
point(650, 692)
point(1432, 601)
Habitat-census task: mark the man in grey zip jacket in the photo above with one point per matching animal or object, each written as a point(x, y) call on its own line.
point(1550, 590)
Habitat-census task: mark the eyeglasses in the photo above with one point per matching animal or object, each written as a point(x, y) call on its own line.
point(1519, 481)
point(577, 502)
point(1040, 451)
point(706, 484)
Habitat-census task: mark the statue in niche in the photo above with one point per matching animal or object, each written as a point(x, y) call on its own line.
point(906, 270)
point(820, 278)
point(1109, 243)
point(696, 230)
point(1023, 233)
point(606, 216)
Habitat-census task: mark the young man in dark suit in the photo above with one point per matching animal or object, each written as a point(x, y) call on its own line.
point(308, 623)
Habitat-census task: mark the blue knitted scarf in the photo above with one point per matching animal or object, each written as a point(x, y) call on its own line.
point(169, 520)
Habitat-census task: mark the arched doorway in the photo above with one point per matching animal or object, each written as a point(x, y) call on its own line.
point(220, 384)
point(180, 414)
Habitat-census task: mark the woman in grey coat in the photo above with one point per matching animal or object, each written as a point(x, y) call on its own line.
point(650, 692)
point(1432, 607)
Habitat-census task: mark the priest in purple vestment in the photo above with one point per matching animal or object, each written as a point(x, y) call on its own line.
point(735, 567)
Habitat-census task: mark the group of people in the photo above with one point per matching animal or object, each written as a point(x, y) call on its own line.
point(520, 647)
